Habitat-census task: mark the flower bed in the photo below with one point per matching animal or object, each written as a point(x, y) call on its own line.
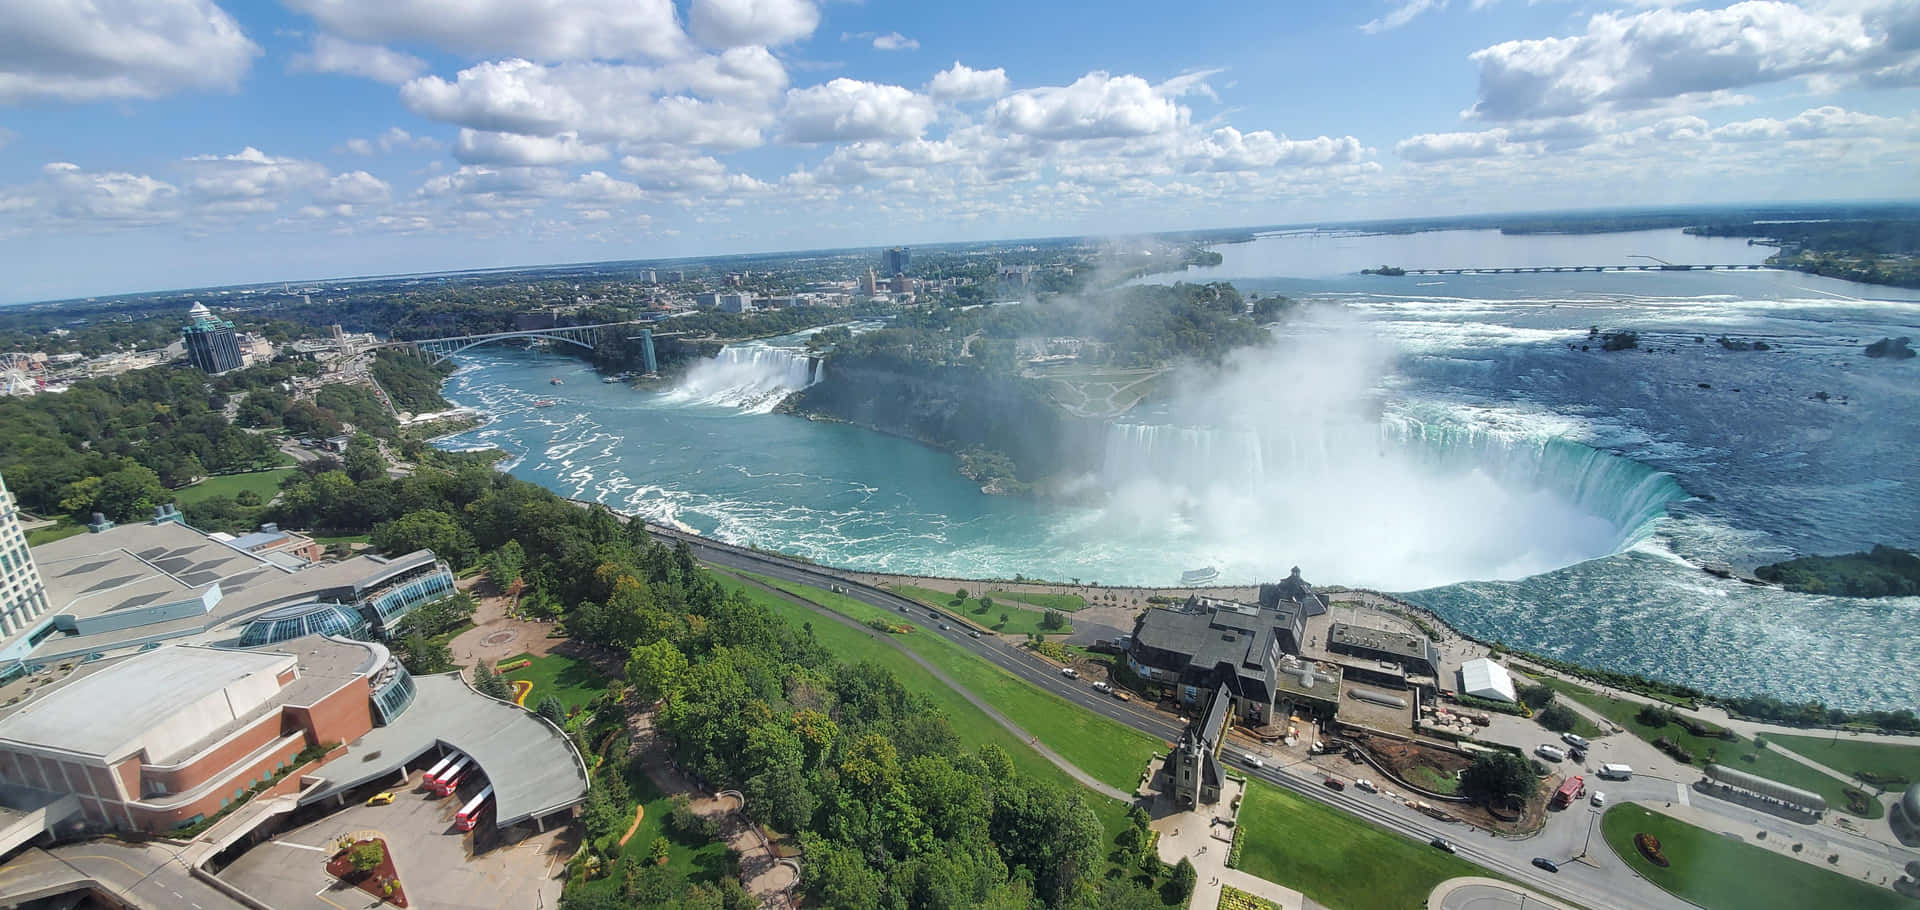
point(382, 881)
point(1649, 847)
point(1232, 898)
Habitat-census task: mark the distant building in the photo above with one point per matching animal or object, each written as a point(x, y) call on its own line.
point(901, 284)
point(211, 342)
point(869, 283)
point(706, 301)
point(1384, 657)
point(898, 260)
point(650, 276)
point(676, 277)
point(23, 597)
point(736, 303)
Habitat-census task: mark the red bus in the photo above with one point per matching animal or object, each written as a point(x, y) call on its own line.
point(470, 813)
point(439, 768)
point(450, 778)
point(1569, 791)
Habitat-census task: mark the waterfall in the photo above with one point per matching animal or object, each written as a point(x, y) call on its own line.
point(752, 376)
point(1369, 478)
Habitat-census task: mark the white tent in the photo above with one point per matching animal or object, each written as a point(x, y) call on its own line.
point(1482, 678)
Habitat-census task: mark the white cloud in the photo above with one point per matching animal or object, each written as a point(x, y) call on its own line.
point(1227, 149)
point(1447, 146)
point(105, 49)
point(1095, 106)
point(249, 180)
point(728, 106)
point(1639, 60)
point(894, 41)
point(1406, 12)
point(548, 30)
point(353, 188)
point(109, 197)
point(348, 58)
point(478, 147)
point(1817, 123)
point(848, 109)
point(962, 83)
point(397, 138)
point(738, 23)
point(697, 175)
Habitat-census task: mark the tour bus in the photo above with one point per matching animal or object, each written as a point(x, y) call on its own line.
point(1569, 791)
point(450, 778)
point(470, 813)
point(439, 768)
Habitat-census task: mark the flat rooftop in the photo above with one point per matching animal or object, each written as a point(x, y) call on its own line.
point(1404, 644)
point(531, 765)
point(141, 565)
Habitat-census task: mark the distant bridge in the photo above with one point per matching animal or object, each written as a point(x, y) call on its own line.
point(584, 336)
point(1535, 269)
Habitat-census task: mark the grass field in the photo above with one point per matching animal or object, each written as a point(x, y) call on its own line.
point(1715, 871)
point(1738, 753)
point(265, 484)
point(1104, 748)
point(1020, 620)
point(699, 863)
point(63, 528)
point(1065, 603)
point(575, 681)
point(1856, 756)
point(341, 538)
point(1314, 848)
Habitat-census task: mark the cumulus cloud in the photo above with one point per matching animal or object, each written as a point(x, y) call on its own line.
point(845, 110)
point(1096, 106)
point(726, 107)
point(1406, 12)
point(353, 188)
point(894, 41)
point(348, 58)
point(549, 30)
point(1817, 123)
point(737, 23)
point(703, 175)
point(109, 197)
point(1633, 61)
point(249, 180)
point(1227, 149)
point(1447, 146)
point(109, 49)
point(963, 83)
point(479, 147)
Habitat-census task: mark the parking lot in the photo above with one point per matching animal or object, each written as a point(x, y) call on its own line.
point(432, 857)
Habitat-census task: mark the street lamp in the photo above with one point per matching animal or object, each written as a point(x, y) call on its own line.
point(1591, 815)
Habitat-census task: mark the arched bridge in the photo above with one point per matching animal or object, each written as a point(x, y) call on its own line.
point(585, 336)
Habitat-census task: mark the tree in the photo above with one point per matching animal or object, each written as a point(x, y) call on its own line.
point(959, 593)
point(1052, 619)
point(422, 656)
point(363, 459)
point(426, 529)
point(490, 683)
point(986, 603)
point(1184, 878)
point(1535, 697)
point(1499, 778)
point(248, 498)
point(552, 709)
point(506, 564)
point(654, 670)
point(660, 850)
point(1003, 617)
point(1558, 718)
point(366, 857)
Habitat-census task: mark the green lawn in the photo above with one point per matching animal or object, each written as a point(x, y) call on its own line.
point(1336, 859)
point(1065, 603)
point(1020, 620)
point(63, 528)
point(974, 727)
point(575, 681)
point(1106, 749)
point(699, 863)
point(1716, 871)
point(1737, 753)
point(1854, 756)
point(327, 541)
point(265, 484)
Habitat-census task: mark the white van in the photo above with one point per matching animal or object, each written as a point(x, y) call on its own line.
point(1550, 753)
point(1616, 772)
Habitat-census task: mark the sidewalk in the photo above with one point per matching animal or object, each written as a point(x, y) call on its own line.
point(1476, 893)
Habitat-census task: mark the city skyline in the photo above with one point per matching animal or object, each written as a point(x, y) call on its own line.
point(198, 145)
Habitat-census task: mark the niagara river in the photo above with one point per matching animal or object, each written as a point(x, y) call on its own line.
point(1511, 476)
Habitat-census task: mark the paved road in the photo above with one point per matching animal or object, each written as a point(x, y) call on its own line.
point(146, 875)
point(1600, 880)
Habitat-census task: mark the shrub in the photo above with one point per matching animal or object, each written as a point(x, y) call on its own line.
point(1535, 697)
point(1654, 716)
point(1558, 718)
point(366, 857)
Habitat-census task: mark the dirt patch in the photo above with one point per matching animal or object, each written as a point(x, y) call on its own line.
point(639, 812)
point(1412, 762)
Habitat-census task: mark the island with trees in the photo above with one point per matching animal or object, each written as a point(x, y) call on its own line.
point(1883, 571)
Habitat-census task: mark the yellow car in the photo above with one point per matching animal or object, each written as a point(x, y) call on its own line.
point(380, 799)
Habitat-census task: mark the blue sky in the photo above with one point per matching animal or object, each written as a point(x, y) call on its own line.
point(150, 144)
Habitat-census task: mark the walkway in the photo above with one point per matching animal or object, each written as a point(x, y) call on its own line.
point(1475, 893)
point(762, 872)
point(1088, 780)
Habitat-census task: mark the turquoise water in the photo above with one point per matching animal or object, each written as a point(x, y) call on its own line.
point(1547, 497)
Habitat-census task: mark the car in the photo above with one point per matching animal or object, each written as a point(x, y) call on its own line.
point(1598, 798)
point(1366, 785)
point(1253, 761)
point(1577, 755)
point(905, 610)
point(1102, 686)
point(933, 614)
point(1440, 843)
point(1122, 695)
point(1334, 783)
point(1069, 673)
point(943, 627)
point(1546, 864)
point(1575, 740)
point(973, 633)
point(1550, 753)
point(380, 799)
